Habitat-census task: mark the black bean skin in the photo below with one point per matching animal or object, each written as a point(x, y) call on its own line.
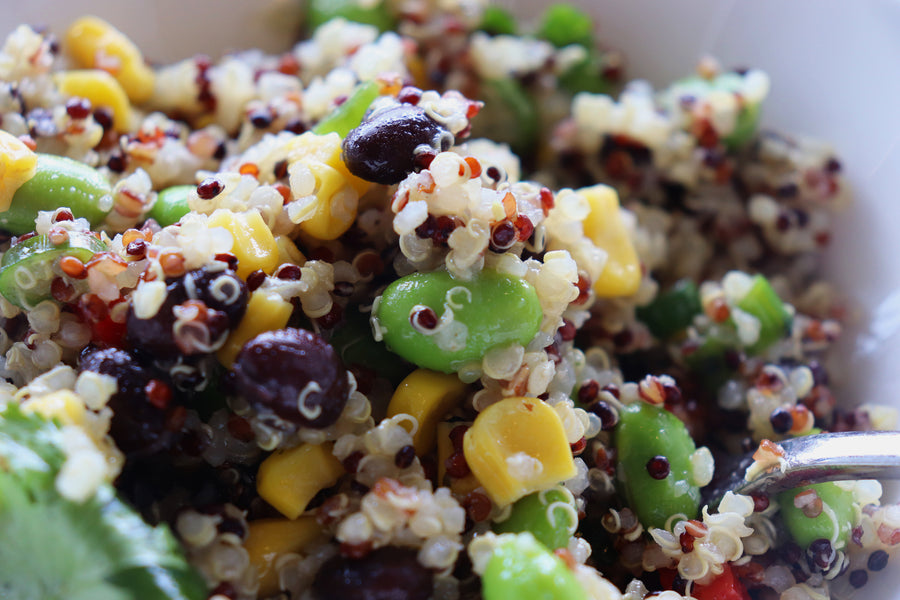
point(386, 574)
point(137, 425)
point(382, 148)
point(273, 369)
point(155, 337)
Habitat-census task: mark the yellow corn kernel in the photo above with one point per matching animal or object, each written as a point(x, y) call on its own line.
point(427, 396)
point(288, 479)
point(288, 252)
point(95, 44)
point(604, 226)
point(518, 446)
point(337, 191)
point(269, 539)
point(462, 485)
point(101, 89)
point(63, 405)
point(254, 245)
point(17, 165)
point(266, 311)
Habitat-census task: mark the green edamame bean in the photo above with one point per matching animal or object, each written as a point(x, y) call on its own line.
point(836, 520)
point(29, 268)
point(645, 432)
point(58, 181)
point(550, 516)
point(475, 316)
point(377, 14)
point(763, 303)
point(522, 568)
point(350, 114)
point(171, 204)
point(563, 25)
point(496, 20)
point(672, 311)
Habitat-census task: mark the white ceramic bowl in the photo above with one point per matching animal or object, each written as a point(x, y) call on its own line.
point(834, 67)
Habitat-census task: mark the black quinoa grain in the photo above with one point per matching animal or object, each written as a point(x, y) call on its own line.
point(858, 578)
point(78, 108)
point(781, 420)
point(878, 560)
point(658, 467)
point(209, 188)
point(405, 457)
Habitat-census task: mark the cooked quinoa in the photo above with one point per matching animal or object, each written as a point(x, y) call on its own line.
point(400, 313)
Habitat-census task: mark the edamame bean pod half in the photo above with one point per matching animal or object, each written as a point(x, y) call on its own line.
point(550, 516)
point(171, 204)
point(520, 567)
point(655, 466)
point(819, 511)
point(442, 323)
point(58, 181)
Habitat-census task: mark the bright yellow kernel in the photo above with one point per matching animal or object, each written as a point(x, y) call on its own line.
point(17, 165)
point(95, 44)
point(101, 89)
point(288, 252)
point(254, 245)
point(518, 446)
point(336, 190)
point(427, 396)
point(269, 539)
point(63, 405)
point(604, 226)
point(266, 311)
point(288, 479)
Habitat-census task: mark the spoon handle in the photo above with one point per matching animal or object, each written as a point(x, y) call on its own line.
point(817, 458)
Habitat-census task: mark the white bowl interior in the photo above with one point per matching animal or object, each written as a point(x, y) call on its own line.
point(833, 66)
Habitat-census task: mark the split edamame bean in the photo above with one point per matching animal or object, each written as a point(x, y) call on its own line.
point(835, 521)
point(762, 302)
point(58, 181)
point(656, 489)
point(549, 515)
point(171, 204)
point(520, 567)
point(349, 115)
point(442, 323)
point(672, 311)
point(29, 268)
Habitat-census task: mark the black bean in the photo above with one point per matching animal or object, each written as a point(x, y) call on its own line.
point(281, 370)
point(386, 574)
point(382, 148)
point(137, 425)
point(222, 292)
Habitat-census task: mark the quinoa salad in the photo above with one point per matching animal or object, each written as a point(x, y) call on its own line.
point(434, 304)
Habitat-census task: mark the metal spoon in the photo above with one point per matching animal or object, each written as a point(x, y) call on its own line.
point(814, 459)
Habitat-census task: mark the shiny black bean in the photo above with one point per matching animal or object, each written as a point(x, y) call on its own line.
point(383, 148)
point(221, 291)
point(386, 574)
point(138, 426)
point(293, 373)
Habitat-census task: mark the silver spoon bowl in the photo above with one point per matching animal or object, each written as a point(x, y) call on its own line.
point(814, 459)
